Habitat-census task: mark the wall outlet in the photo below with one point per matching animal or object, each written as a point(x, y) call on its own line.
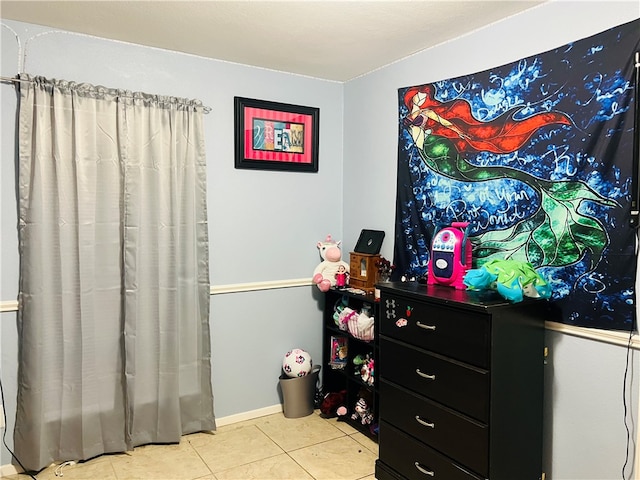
point(1, 416)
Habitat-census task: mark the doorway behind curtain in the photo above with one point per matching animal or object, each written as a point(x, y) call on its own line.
point(114, 277)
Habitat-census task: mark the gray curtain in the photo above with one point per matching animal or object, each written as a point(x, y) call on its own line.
point(114, 277)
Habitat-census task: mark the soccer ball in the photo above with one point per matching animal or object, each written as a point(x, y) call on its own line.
point(297, 363)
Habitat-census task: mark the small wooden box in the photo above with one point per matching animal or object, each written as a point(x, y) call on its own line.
point(363, 272)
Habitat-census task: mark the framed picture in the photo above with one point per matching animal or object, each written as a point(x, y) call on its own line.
point(275, 136)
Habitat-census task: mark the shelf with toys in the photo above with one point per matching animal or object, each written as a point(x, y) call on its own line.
point(350, 344)
point(349, 352)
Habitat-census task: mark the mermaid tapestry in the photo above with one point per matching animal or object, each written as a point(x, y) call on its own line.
point(538, 157)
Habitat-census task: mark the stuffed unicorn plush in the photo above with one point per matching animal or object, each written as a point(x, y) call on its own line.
point(324, 275)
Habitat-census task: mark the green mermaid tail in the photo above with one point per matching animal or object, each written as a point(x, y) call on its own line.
point(557, 234)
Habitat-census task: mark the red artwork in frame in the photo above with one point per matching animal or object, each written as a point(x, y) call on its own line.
point(275, 136)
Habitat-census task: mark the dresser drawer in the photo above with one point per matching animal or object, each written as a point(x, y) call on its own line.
point(414, 460)
point(460, 334)
point(458, 437)
point(461, 387)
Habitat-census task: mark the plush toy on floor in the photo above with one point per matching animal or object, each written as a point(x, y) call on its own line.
point(333, 404)
point(324, 275)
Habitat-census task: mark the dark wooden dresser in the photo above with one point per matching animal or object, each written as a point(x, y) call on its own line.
point(461, 384)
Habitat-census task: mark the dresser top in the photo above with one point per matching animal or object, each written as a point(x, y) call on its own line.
point(480, 299)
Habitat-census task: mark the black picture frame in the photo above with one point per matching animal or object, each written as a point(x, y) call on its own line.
point(275, 136)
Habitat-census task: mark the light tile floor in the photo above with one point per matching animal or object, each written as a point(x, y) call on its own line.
point(266, 448)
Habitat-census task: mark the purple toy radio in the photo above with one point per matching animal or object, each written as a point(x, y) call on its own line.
point(450, 256)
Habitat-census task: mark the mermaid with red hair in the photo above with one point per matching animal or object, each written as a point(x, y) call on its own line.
point(443, 132)
point(454, 120)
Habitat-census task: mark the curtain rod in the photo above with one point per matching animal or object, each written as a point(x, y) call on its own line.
point(13, 80)
point(18, 80)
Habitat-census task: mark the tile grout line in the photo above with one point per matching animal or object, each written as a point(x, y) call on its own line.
point(201, 459)
point(287, 453)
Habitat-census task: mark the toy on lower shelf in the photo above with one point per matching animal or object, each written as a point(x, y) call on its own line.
point(339, 351)
point(333, 404)
point(364, 368)
point(362, 412)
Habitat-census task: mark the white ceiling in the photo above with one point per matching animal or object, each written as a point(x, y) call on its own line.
point(331, 39)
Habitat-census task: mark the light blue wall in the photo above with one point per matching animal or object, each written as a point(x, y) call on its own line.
point(264, 225)
point(585, 437)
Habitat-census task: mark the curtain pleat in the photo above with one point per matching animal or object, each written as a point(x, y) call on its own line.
point(114, 280)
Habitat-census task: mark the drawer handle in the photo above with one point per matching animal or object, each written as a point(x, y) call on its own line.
point(424, 375)
point(426, 327)
point(426, 424)
point(424, 470)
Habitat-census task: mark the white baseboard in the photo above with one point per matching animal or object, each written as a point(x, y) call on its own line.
point(6, 470)
point(250, 415)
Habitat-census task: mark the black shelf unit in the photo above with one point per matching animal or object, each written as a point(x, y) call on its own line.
point(335, 380)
